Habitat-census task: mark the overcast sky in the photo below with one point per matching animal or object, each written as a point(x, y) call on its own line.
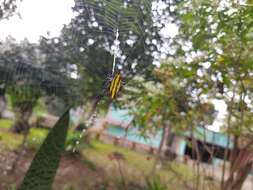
point(38, 17)
point(41, 16)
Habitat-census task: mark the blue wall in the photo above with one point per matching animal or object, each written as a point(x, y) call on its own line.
point(120, 115)
point(133, 134)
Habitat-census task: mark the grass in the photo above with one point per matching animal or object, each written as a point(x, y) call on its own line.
point(13, 141)
point(9, 140)
point(35, 137)
point(136, 165)
point(5, 123)
point(133, 158)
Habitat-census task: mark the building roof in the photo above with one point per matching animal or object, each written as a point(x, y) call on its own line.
point(208, 136)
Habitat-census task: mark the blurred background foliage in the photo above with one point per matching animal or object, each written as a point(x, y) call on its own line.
point(169, 82)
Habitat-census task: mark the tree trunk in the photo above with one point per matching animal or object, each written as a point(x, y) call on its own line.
point(163, 145)
point(196, 150)
point(3, 104)
point(3, 101)
point(242, 176)
point(233, 157)
point(241, 165)
point(22, 119)
point(235, 181)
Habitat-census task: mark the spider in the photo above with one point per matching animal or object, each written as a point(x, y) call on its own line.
point(113, 85)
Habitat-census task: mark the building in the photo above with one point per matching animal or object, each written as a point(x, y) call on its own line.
point(210, 146)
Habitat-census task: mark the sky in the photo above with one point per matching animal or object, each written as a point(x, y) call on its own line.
point(38, 17)
point(221, 107)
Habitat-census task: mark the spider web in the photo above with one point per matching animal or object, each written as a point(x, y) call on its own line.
point(89, 44)
point(93, 27)
point(115, 14)
point(134, 21)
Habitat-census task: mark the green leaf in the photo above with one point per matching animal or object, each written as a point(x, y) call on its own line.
point(40, 175)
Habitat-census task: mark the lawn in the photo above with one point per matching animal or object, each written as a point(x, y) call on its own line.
point(134, 167)
point(5, 123)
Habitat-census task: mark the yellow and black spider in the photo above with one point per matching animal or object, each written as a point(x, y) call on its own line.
point(114, 85)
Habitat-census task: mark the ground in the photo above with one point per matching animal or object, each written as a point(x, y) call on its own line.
point(78, 175)
point(98, 166)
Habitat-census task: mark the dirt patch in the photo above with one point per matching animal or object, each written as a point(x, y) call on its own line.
point(74, 172)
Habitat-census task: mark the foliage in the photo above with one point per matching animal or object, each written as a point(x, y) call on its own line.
point(7, 8)
point(221, 36)
point(169, 100)
point(23, 98)
point(62, 89)
point(88, 44)
point(99, 21)
point(216, 38)
point(41, 173)
point(28, 65)
point(212, 59)
point(19, 83)
point(51, 64)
